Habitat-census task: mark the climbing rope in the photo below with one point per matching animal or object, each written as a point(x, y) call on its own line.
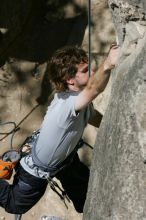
point(16, 127)
point(12, 133)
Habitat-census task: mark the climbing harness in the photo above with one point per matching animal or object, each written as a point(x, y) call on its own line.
point(54, 185)
point(31, 142)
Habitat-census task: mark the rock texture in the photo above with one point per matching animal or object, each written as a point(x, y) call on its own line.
point(118, 174)
point(30, 31)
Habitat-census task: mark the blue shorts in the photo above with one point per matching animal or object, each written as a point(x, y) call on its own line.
point(23, 194)
point(27, 189)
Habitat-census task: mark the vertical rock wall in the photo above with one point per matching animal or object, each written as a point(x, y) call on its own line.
point(29, 33)
point(118, 174)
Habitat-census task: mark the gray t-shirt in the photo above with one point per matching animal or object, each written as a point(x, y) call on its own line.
point(59, 134)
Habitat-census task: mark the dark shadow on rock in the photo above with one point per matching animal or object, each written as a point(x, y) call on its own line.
point(49, 37)
point(46, 89)
point(34, 29)
point(31, 35)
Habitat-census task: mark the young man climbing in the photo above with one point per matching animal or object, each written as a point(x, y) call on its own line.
point(55, 152)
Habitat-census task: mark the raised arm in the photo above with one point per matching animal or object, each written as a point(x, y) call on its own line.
point(98, 81)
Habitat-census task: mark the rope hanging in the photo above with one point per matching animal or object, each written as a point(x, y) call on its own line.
point(16, 127)
point(12, 133)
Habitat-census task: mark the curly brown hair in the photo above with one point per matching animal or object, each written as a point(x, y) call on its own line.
point(63, 65)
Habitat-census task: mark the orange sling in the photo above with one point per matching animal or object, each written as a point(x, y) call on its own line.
point(7, 163)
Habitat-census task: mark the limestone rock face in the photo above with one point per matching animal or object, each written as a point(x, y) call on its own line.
point(30, 31)
point(118, 173)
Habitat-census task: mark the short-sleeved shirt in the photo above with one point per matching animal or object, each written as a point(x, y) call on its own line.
point(60, 132)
